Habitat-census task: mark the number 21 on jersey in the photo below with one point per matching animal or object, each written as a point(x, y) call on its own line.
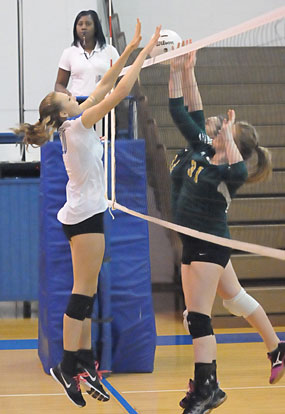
point(193, 171)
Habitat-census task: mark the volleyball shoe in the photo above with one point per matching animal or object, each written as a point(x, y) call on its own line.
point(218, 397)
point(90, 378)
point(277, 359)
point(71, 385)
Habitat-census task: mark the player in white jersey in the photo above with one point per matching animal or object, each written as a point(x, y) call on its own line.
point(82, 214)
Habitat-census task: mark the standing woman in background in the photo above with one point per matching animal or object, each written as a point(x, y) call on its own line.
point(205, 176)
point(82, 214)
point(88, 58)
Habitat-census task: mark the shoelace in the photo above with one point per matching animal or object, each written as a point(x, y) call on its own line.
point(100, 372)
point(84, 374)
point(81, 376)
point(77, 382)
point(270, 355)
point(190, 389)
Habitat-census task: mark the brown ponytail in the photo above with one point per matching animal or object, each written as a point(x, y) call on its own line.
point(41, 132)
point(263, 169)
point(247, 141)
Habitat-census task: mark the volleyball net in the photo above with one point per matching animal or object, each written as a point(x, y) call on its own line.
point(241, 68)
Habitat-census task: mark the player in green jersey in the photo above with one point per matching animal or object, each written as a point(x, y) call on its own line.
point(205, 176)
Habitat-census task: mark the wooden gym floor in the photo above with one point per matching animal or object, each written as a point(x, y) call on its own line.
point(243, 372)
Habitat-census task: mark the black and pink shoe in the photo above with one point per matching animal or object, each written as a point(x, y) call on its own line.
point(277, 359)
point(70, 385)
point(91, 379)
point(219, 395)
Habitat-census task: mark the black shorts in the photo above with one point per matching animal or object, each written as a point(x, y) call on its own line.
point(94, 224)
point(197, 250)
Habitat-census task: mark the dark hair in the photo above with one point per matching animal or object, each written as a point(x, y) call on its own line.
point(41, 132)
point(98, 34)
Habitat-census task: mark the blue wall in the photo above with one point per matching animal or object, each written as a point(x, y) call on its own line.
point(19, 239)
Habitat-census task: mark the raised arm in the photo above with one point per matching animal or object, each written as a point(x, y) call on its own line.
point(181, 80)
point(232, 152)
point(109, 79)
point(175, 77)
point(192, 97)
point(94, 114)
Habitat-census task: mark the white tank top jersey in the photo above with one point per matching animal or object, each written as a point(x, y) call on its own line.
point(82, 154)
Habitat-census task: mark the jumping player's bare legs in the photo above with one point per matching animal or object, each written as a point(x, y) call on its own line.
point(87, 252)
point(200, 281)
point(228, 288)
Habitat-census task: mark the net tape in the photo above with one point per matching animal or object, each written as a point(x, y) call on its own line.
point(234, 244)
point(276, 14)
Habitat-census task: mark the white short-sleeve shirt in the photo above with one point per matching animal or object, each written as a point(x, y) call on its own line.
point(86, 70)
point(82, 153)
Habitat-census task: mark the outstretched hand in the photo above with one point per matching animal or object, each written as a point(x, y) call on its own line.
point(186, 61)
point(190, 60)
point(227, 127)
point(148, 48)
point(137, 37)
point(177, 63)
point(232, 152)
point(231, 117)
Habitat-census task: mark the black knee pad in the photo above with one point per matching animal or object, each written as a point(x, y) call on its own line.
point(199, 325)
point(90, 309)
point(79, 306)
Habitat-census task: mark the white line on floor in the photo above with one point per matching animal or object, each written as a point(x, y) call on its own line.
point(229, 389)
point(148, 391)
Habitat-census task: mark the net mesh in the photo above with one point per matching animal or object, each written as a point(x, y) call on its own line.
point(244, 72)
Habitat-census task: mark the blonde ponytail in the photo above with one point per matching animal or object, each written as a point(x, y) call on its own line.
point(41, 132)
point(36, 134)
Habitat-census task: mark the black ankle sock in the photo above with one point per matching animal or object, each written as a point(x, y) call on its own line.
point(86, 356)
point(203, 378)
point(214, 372)
point(203, 369)
point(68, 364)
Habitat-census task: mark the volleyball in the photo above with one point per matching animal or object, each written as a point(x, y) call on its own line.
point(168, 39)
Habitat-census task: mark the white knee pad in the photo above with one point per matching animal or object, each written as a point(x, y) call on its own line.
point(185, 322)
point(241, 305)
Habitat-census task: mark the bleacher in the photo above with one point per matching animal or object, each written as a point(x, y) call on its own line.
point(251, 80)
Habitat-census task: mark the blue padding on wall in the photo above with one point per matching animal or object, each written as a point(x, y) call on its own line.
point(19, 239)
point(9, 138)
point(125, 273)
point(55, 276)
point(104, 340)
point(55, 262)
point(133, 327)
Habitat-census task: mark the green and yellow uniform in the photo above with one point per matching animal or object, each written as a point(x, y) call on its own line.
point(201, 191)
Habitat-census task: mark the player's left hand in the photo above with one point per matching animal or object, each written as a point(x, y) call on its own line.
point(137, 37)
point(226, 132)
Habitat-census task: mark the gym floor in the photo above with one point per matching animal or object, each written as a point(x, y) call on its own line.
point(243, 372)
